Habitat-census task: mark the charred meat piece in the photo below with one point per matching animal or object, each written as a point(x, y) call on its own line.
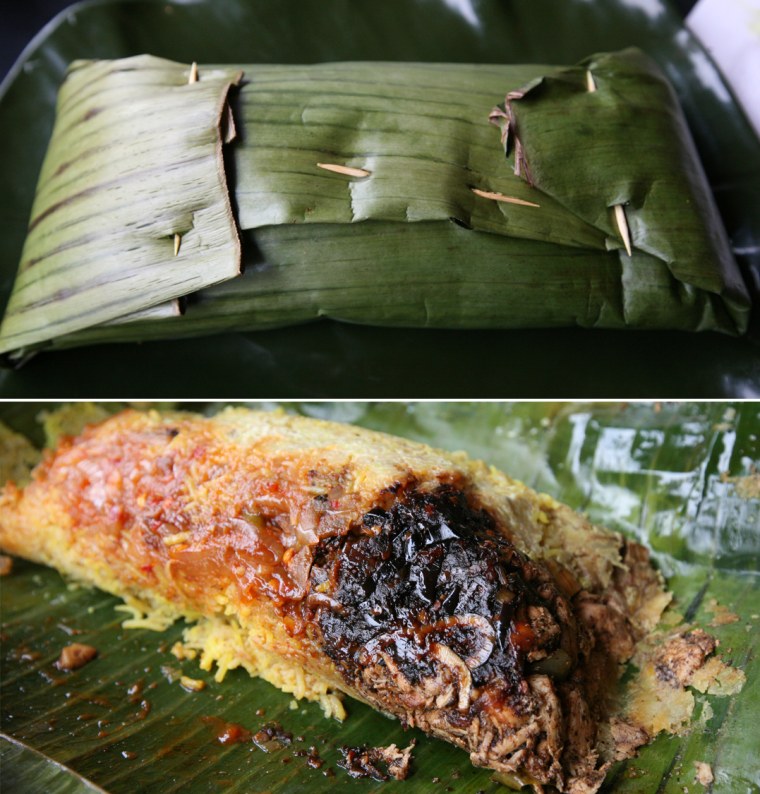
point(379, 763)
point(434, 615)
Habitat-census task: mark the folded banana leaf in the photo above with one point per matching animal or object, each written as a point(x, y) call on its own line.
point(371, 193)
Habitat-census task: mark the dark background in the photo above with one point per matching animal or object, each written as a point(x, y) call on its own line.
point(20, 21)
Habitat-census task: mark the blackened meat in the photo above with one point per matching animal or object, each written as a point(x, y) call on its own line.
point(432, 575)
point(379, 763)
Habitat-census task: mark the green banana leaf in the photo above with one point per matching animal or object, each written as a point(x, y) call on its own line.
point(315, 359)
point(681, 477)
point(167, 179)
point(135, 166)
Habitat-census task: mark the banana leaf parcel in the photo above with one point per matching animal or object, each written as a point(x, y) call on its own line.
point(181, 200)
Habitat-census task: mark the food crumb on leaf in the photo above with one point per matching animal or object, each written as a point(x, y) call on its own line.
point(704, 773)
point(379, 763)
point(75, 656)
point(192, 684)
point(722, 614)
point(182, 652)
point(659, 698)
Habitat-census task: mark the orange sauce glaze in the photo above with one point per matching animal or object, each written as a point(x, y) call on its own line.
point(133, 487)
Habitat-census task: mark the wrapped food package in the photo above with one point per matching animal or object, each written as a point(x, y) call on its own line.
point(179, 200)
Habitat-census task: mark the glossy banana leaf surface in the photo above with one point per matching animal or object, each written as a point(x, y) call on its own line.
point(683, 478)
point(333, 359)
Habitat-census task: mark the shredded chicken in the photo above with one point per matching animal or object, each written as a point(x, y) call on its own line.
point(677, 661)
point(379, 763)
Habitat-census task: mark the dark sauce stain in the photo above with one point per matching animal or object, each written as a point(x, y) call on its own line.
point(93, 700)
point(51, 679)
point(38, 727)
point(269, 738)
point(68, 630)
point(23, 653)
point(272, 737)
point(228, 732)
point(134, 691)
point(145, 708)
point(313, 759)
point(139, 716)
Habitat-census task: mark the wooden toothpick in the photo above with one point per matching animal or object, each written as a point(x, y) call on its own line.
point(346, 170)
point(487, 194)
point(622, 225)
point(193, 78)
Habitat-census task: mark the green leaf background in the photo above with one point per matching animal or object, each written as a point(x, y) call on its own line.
point(680, 477)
